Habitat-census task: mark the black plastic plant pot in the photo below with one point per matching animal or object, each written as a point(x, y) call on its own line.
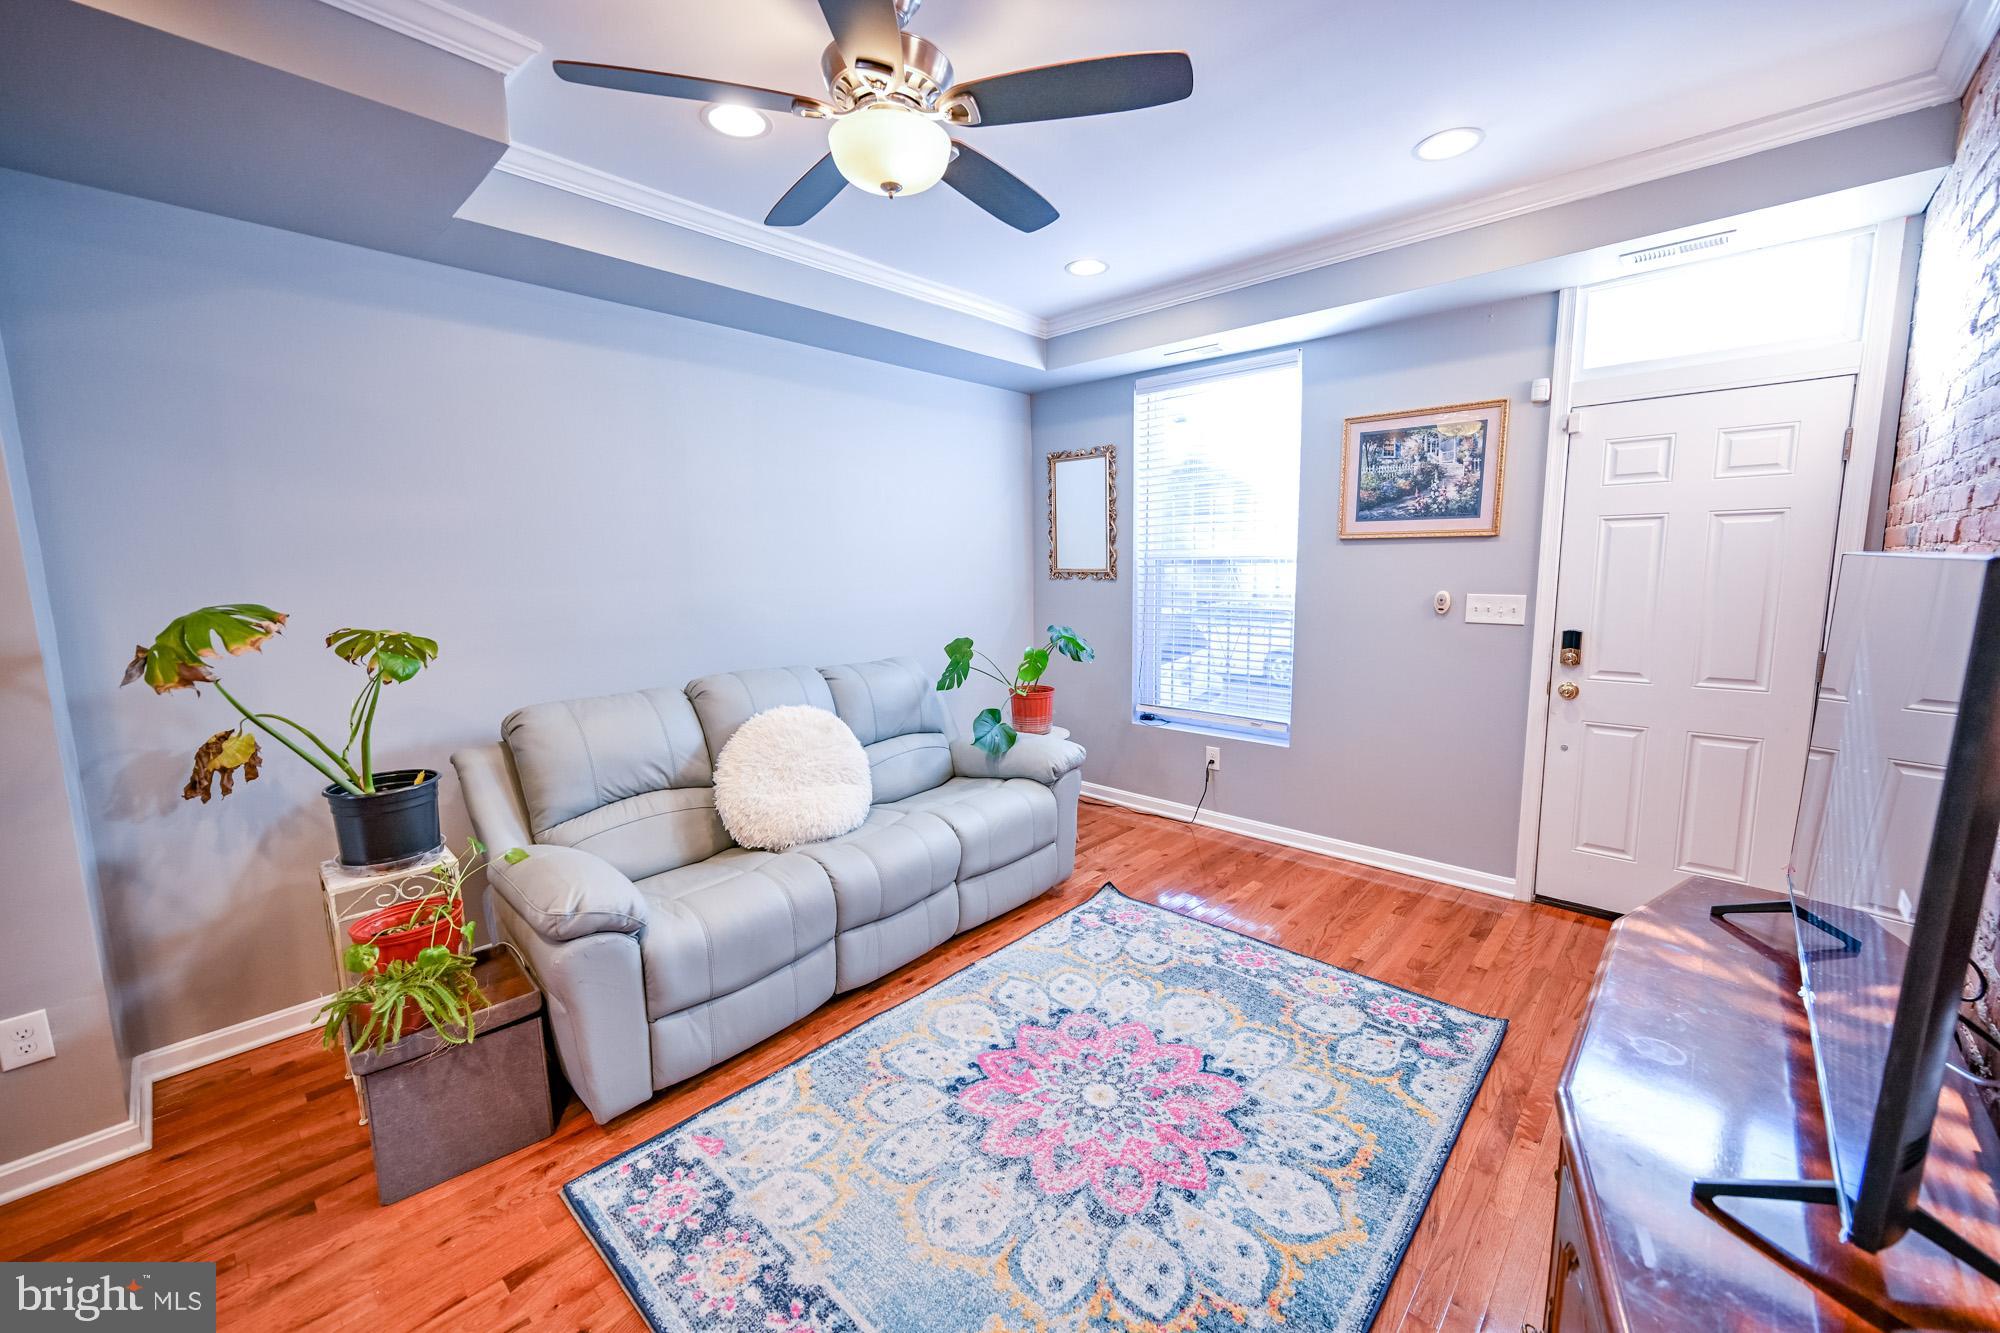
point(398, 823)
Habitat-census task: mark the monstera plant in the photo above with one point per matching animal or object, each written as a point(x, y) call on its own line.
point(1030, 703)
point(379, 817)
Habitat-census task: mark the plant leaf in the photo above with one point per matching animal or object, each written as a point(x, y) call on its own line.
point(1033, 663)
point(992, 735)
point(957, 665)
point(1070, 644)
point(397, 655)
point(218, 758)
point(175, 661)
point(515, 855)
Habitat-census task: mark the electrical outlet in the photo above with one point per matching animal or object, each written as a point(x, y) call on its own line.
point(26, 1040)
point(1493, 608)
point(1214, 760)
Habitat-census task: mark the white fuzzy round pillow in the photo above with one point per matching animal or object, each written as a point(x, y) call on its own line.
point(791, 775)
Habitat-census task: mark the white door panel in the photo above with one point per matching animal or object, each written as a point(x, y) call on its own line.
point(1697, 549)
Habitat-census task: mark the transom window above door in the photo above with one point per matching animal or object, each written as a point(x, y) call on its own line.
point(1215, 541)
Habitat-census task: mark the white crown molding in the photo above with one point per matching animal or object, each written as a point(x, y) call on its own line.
point(448, 28)
point(134, 1134)
point(1840, 113)
point(576, 178)
point(1437, 872)
point(1978, 22)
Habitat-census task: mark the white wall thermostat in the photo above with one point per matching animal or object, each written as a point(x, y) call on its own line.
point(1442, 603)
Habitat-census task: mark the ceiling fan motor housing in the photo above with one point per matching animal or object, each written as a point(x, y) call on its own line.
point(919, 84)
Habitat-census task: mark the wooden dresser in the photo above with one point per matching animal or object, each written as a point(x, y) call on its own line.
point(1693, 1059)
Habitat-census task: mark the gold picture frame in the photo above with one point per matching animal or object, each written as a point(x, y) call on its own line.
point(1076, 510)
point(1424, 493)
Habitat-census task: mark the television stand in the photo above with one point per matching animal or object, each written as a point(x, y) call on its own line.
point(1827, 1194)
point(1844, 943)
point(1693, 1062)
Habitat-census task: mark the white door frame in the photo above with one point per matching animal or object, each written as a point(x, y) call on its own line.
point(1876, 362)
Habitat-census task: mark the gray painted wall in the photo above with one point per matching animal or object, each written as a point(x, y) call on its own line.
point(49, 955)
point(1407, 727)
point(572, 496)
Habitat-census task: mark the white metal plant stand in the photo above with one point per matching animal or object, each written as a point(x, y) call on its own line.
point(348, 894)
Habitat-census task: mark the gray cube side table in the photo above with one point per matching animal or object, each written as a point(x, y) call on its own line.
point(436, 1110)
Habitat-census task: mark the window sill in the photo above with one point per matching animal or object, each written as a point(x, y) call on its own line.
point(1277, 740)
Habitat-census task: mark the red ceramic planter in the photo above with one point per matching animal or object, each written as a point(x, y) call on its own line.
point(406, 945)
point(1033, 709)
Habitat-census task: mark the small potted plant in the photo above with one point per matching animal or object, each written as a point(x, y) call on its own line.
point(415, 963)
point(1030, 703)
point(379, 818)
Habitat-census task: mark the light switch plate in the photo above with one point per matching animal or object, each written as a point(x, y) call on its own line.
point(26, 1040)
point(1496, 608)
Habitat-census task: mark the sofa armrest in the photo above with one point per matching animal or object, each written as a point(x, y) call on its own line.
point(1043, 759)
point(565, 894)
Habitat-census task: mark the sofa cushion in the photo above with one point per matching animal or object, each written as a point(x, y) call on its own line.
point(725, 702)
point(718, 926)
point(892, 862)
point(622, 776)
point(997, 820)
point(578, 754)
point(893, 708)
point(647, 834)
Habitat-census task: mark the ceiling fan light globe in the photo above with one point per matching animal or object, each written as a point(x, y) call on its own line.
point(889, 150)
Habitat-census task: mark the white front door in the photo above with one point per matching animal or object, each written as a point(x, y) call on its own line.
point(1697, 550)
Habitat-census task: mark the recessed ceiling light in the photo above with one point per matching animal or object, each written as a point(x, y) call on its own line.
point(1085, 268)
point(738, 122)
point(1450, 143)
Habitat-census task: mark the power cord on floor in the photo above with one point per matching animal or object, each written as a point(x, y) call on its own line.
point(1207, 774)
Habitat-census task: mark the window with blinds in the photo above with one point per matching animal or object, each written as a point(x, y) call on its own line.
point(1215, 540)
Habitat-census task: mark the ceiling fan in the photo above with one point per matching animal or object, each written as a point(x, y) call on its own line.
point(890, 96)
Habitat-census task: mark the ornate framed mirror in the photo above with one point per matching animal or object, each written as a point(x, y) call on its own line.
point(1083, 513)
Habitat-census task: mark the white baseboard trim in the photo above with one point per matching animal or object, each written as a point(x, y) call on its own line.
point(134, 1134)
point(52, 1166)
point(1438, 872)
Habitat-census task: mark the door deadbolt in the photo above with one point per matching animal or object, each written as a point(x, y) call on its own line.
point(1572, 649)
point(1568, 689)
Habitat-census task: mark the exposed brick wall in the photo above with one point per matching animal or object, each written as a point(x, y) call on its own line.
point(1946, 494)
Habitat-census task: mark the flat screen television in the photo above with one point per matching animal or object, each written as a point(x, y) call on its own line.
point(1889, 869)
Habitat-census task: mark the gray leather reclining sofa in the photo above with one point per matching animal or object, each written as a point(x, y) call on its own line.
point(661, 946)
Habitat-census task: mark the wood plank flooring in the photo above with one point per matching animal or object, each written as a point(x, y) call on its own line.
point(259, 1166)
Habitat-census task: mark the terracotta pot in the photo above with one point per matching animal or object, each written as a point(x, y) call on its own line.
point(404, 946)
point(1033, 709)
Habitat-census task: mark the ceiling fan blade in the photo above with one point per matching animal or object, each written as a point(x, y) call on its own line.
point(659, 84)
point(814, 191)
point(997, 190)
point(865, 30)
point(1079, 88)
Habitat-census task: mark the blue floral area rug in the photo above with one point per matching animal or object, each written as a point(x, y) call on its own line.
point(1125, 1120)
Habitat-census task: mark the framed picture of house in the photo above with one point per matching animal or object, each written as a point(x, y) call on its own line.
point(1429, 472)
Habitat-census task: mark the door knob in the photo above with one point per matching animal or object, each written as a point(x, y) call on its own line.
point(1568, 689)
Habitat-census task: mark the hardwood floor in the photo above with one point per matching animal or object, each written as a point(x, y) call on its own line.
point(259, 1166)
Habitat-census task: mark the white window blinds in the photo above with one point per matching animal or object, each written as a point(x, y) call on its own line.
point(1216, 486)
